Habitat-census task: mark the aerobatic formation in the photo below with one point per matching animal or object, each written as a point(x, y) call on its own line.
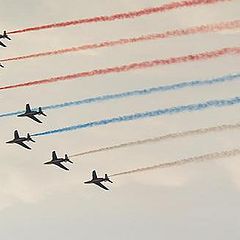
point(32, 114)
point(57, 161)
point(37, 115)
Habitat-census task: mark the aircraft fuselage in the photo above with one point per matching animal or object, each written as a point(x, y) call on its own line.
point(32, 113)
point(59, 160)
point(19, 140)
point(96, 180)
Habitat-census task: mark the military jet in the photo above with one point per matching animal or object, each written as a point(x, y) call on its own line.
point(4, 35)
point(98, 181)
point(1, 65)
point(21, 140)
point(30, 113)
point(58, 161)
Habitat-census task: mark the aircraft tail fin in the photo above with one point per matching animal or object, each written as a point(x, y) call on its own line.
point(29, 138)
point(6, 36)
point(107, 178)
point(67, 159)
point(41, 112)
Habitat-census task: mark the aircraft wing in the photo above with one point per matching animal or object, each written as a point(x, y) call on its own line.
point(61, 166)
point(102, 186)
point(23, 145)
point(54, 155)
point(28, 109)
point(34, 118)
point(16, 135)
point(2, 44)
point(94, 174)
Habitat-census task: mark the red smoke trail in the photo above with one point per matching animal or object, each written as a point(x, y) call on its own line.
point(174, 33)
point(120, 16)
point(132, 66)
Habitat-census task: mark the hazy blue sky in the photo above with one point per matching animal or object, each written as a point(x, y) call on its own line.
point(198, 201)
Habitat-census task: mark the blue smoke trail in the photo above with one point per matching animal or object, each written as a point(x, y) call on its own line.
point(159, 112)
point(172, 87)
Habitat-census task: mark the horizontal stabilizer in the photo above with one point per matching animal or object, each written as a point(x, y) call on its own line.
point(107, 178)
point(41, 112)
point(6, 36)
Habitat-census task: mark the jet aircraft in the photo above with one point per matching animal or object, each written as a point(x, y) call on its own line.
point(58, 161)
point(4, 35)
point(31, 114)
point(21, 140)
point(98, 181)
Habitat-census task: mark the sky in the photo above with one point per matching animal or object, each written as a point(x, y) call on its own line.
point(195, 201)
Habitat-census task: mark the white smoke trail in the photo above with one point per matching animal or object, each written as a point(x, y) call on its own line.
point(199, 131)
point(205, 157)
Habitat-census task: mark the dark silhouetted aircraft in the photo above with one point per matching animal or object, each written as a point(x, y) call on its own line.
point(31, 114)
point(1, 65)
point(21, 140)
point(4, 35)
point(58, 161)
point(98, 181)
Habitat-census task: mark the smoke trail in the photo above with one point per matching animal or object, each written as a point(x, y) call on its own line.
point(132, 66)
point(206, 157)
point(121, 16)
point(142, 115)
point(139, 92)
point(175, 33)
point(182, 134)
